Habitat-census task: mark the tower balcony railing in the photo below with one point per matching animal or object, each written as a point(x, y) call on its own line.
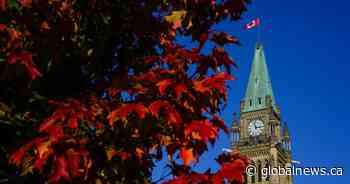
point(262, 140)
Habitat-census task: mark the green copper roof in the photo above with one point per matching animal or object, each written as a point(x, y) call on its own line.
point(259, 84)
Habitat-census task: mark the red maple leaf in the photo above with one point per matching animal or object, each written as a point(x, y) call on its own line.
point(123, 111)
point(26, 59)
point(198, 178)
point(124, 155)
point(178, 180)
point(74, 162)
point(61, 169)
point(2, 5)
point(172, 115)
point(180, 89)
point(25, 3)
point(214, 82)
point(155, 107)
point(55, 133)
point(204, 128)
point(163, 85)
point(17, 157)
point(232, 171)
point(73, 121)
point(2, 26)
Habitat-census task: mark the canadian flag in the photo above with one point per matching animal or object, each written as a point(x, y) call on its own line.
point(252, 24)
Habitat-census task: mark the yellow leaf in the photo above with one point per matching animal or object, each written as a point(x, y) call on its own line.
point(89, 52)
point(3, 109)
point(196, 136)
point(27, 166)
point(27, 170)
point(176, 18)
point(165, 140)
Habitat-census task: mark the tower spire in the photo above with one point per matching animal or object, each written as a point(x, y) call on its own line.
point(285, 130)
point(259, 84)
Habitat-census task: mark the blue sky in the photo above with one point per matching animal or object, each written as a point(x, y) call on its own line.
point(307, 48)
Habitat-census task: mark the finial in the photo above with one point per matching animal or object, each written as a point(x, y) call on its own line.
point(258, 45)
point(285, 130)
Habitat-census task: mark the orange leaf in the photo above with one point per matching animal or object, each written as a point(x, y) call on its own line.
point(187, 156)
point(45, 25)
point(43, 149)
point(198, 86)
point(139, 152)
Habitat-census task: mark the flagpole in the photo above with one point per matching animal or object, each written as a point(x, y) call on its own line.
point(259, 32)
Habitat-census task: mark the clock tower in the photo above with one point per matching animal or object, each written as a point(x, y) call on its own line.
point(259, 133)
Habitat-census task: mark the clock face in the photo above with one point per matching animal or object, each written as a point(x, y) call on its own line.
point(255, 127)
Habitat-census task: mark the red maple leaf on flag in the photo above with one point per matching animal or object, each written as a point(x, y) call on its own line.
point(254, 23)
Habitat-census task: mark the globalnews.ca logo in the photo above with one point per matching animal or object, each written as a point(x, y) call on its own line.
point(251, 170)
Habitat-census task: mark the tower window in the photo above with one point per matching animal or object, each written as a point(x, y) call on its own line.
point(250, 102)
point(259, 100)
